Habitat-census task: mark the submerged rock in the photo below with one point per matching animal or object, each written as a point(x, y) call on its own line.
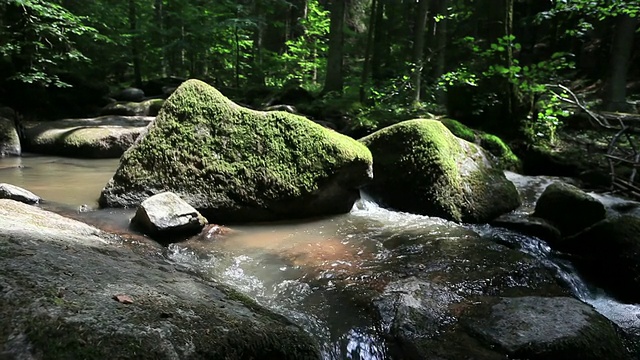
point(608, 254)
point(547, 328)
point(102, 137)
point(12, 192)
point(166, 214)
point(236, 164)
point(421, 167)
point(529, 225)
point(9, 138)
point(568, 208)
point(71, 291)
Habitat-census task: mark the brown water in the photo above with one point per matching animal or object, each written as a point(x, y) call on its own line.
point(68, 181)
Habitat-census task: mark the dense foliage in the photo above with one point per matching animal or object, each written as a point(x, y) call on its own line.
point(361, 64)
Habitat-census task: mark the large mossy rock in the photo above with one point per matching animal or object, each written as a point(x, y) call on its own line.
point(9, 138)
point(101, 137)
point(236, 164)
point(608, 253)
point(421, 167)
point(568, 208)
point(71, 291)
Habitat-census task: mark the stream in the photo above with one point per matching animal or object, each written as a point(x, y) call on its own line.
point(320, 272)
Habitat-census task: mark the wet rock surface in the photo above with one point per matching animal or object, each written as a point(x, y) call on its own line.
point(71, 291)
point(608, 254)
point(546, 328)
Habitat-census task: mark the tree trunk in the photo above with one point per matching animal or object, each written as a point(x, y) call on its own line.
point(379, 44)
point(512, 95)
point(366, 67)
point(334, 80)
point(135, 48)
point(418, 48)
point(440, 28)
point(160, 39)
point(616, 96)
point(257, 74)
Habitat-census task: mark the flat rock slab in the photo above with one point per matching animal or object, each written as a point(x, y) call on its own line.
point(12, 192)
point(71, 291)
point(535, 327)
point(101, 137)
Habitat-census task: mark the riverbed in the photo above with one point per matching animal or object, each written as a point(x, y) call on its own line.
point(308, 270)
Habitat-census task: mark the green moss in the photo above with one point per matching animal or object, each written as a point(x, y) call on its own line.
point(421, 167)
point(505, 157)
point(460, 130)
point(232, 157)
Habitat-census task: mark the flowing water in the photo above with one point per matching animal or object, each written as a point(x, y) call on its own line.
point(321, 273)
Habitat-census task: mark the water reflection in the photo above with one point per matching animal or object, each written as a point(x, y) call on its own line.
point(74, 182)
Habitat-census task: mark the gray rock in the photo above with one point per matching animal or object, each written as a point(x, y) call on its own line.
point(130, 94)
point(71, 291)
point(166, 214)
point(12, 192)
point(568, 208)
point(9, 138)
point(548, 328)
point(101, 137)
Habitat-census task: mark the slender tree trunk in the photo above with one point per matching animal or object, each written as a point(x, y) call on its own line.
point(334, 80)
point(135, 48)
point(616, 96)
point(418, 48)
point(257, 74)
point(379, 43)
point(440, 29)
point(160, 40)
point(237, 57)
point(508, 32)
point(366, 67)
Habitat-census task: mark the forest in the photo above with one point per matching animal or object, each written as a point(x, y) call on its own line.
point(357, 64)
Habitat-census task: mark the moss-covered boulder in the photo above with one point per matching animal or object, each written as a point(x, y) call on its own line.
point(149, 107)
point(568, 208)
point(9, 139)
point(608, 253)
point(421, 167)
point(236, 164)
point(71, 291)
point(101, 137)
